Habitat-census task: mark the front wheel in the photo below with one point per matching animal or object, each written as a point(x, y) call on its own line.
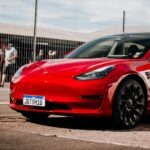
point(129, 105)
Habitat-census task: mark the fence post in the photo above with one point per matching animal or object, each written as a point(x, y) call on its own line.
point(35, 30)
point(124, 13)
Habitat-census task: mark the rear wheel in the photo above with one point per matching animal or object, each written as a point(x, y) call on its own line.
point(129, 105)
point(35, 116)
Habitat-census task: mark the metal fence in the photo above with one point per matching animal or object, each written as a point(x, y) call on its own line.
point(51, 48)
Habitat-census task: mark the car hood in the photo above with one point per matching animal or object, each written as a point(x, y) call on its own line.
point(75, 66)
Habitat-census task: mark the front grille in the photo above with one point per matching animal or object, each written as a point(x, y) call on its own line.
point(97, 97)
point(18, 102)
point(49, 106)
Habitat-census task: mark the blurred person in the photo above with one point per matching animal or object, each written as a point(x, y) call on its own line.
point(10, 60)
point(2, 60)
point(40, 56)
point(51, 54)
point(30, 58)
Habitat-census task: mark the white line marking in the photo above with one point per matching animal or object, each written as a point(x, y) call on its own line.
point(99, 141)
point(4, 103)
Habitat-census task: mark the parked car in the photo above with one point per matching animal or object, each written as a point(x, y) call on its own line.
point(106, 77)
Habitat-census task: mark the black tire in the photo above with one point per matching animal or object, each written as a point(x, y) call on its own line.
point(129, 105)
point(35, 116)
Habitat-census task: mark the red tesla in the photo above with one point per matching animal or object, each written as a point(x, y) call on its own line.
point(106, 77)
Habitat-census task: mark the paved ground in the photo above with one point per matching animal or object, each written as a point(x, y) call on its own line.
point(24, 141)
point(60, 132)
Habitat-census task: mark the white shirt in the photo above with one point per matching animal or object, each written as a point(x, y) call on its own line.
point(8, 54)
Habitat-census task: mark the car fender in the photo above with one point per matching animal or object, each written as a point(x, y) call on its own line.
point(112, 92)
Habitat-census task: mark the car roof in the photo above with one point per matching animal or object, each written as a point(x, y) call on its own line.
point(133, 35)
point(127, 36)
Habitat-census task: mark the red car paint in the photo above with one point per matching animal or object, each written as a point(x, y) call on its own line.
point(66, 95)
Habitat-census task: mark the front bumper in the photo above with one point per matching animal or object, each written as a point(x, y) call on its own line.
point(64, 97)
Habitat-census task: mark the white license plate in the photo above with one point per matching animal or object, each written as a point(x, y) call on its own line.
point(30, 100)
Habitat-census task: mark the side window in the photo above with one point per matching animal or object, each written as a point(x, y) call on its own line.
point(133, 49)
point(119, 49)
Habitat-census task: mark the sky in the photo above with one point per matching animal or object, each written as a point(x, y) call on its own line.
point(76, 15)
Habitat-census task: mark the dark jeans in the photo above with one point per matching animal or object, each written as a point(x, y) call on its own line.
point(9, 71)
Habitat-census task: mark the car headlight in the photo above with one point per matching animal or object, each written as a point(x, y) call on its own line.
point(96, 74)
point(18, 73)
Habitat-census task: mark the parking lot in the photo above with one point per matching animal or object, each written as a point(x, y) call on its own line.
point(61, 132)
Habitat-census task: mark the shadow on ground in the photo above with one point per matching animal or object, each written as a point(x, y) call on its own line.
point(90, 123)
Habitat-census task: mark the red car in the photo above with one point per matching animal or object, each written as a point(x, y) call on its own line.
point(107, 77)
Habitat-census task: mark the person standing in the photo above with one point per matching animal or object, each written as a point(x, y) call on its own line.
point(2, 60)
point(10, 60)
point(40, 56)
point(51, 54)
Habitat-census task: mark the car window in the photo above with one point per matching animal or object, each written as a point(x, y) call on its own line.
point(113, 47)
point(98, 50)
point(133, 48)
point(94, 49)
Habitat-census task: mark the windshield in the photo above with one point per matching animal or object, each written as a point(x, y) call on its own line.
point(113, 47)
point(94, 49)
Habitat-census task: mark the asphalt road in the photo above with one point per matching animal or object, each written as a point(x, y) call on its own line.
point(60, 132)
